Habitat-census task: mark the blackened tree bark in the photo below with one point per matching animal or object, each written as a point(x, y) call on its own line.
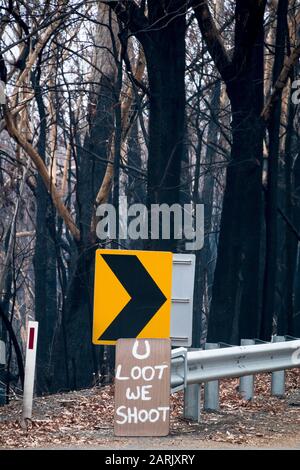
point(83, 360)
point(271, 200)
point(203, 257)
point(44, 261)
point(296, 213)
point(74, 340)
point(198, 291)
point(15, 343)
point(286, 314)
point(235, 299)
point(136, 184)
point(162, 35)
point(166, 67)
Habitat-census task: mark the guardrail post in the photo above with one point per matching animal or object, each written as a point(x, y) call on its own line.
point(278, 377)
point(180, 353)
point(246, 388)
point(192, 399)
point(211, 389)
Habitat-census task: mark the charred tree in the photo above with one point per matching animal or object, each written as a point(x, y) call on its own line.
point(271, 198)
point(235, 299)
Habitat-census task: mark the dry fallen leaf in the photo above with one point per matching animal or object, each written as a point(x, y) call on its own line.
point(85, 417)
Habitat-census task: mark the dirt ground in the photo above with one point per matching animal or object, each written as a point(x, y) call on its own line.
point(84, 420)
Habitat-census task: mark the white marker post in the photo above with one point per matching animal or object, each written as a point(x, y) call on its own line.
point(30, 369)
point(2, 367)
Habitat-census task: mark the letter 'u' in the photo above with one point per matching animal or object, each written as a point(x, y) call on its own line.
point(141, 356)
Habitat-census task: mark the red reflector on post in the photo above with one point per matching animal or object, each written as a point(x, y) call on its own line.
point(31, 338)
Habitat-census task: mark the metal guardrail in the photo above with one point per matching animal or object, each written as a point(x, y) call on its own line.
point(191, 368)
point(207, 365)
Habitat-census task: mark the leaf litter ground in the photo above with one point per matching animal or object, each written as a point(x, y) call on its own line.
point(84, 419)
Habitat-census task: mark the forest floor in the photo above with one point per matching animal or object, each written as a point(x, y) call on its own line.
point(84, 420)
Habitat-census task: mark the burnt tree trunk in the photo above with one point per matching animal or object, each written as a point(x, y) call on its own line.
point(235, 293)
point(271, 200)
point(286, 314)
point(296, 213)
point(165, 56)
point(44, 262)
point(82, 360)
point(162, 36)
point(203, 257)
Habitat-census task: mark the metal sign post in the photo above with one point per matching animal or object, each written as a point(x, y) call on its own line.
point(183, 279)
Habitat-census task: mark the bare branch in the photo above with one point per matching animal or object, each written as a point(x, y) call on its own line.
point(281, 82)
point(212, 37)
point(42, 169)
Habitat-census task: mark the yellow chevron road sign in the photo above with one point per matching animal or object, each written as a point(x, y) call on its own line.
point(132, 295)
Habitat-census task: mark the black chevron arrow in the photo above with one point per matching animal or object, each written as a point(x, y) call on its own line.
point(146, 297)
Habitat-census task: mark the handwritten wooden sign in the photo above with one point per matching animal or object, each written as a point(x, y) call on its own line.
point(142, 387)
